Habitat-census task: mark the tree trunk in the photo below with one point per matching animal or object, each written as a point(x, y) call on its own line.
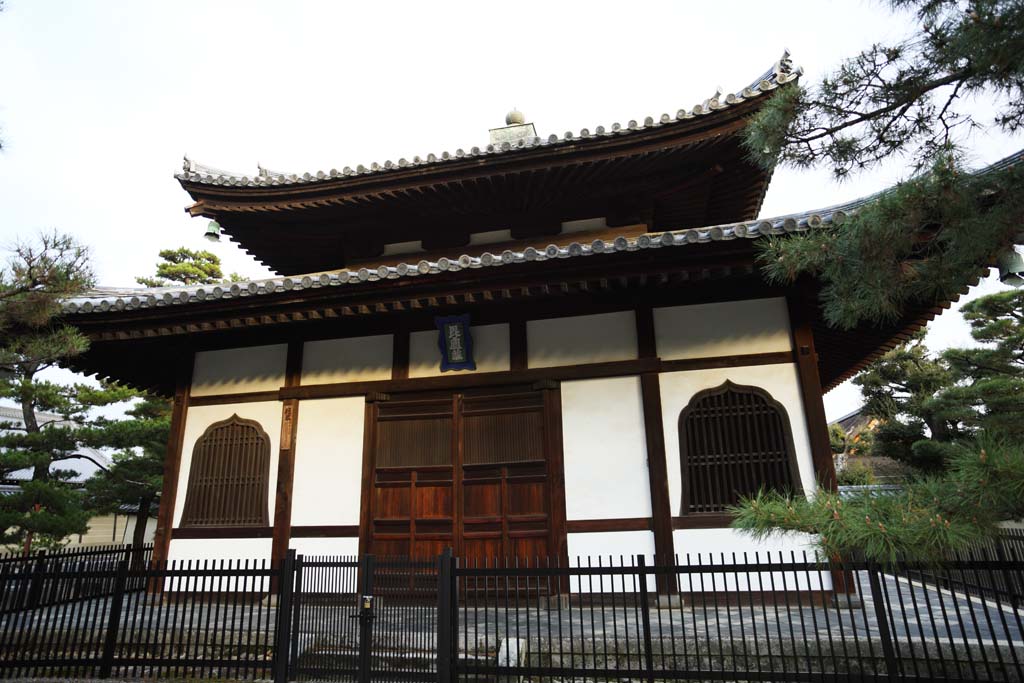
point(139, 536)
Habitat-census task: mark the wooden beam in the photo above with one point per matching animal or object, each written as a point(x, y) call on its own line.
point(645, 338)
point(400, 354)
point(518, 350)
point(172, 465)
point(800, 318)
point(657, 472)
point(286, 459)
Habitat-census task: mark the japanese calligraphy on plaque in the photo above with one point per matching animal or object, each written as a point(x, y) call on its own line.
point(455, 342)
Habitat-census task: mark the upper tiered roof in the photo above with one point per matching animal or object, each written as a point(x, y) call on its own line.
point(673, 171)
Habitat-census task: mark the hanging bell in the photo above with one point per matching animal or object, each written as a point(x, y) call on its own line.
point(213, 231)
point(1011, 268)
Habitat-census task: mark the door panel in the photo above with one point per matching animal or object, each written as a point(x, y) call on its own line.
point(466, 470)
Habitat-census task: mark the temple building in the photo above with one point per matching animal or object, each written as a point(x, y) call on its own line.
point(543, 347)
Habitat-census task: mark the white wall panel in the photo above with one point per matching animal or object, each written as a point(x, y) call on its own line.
point(230, 371)
point(604, 449)
point(328, 462)
point(490, 351)
point(198, 418)
point(710, 544)
point(722, 329)
point(333, 547)
point(581, 339)
point(610, 546)
point(780, 380)
point(217, 550)
point(354, 359)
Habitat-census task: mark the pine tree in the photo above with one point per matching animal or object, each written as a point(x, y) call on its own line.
point(38, 275)
point(929, 236)
point(187, 267)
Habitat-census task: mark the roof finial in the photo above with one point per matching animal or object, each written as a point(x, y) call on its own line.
point(515, 118)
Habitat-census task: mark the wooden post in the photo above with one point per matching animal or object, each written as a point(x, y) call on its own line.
point(800, 318)
point(657, 472)
point(286, 459)
point(172, 466)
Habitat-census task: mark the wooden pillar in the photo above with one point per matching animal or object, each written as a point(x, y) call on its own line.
point(172, 464)
point(657, 468)
point(286, 459)
point(801, 315)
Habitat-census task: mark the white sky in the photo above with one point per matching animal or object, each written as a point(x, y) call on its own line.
point(100, 100)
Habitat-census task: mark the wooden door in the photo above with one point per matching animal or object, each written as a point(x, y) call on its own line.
point(469, 470)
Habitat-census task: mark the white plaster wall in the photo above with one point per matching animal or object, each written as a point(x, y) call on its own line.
point(490, 351)
point(215, 551)
point(355, 359)
point(727, 546)
point(328, 462)
point(329, 547)
point(604, 449)
point(229, 371)
point(779, 380)
point(613, 548)
point(198, 418)
point(581, 339)
point(722, 329)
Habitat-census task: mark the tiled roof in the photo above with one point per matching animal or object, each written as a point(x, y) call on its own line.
point(781, 72)
point(107, 299)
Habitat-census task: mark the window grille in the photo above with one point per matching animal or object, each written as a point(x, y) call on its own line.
point(229, 476)
point(733, 441)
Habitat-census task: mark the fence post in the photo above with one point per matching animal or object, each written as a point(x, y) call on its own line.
point(296, 606)
point(645, 616)
point(882, 617)
point(444, 616)
point(114, 620)
point(35, 587)
point(282, 642)
point(365, 615)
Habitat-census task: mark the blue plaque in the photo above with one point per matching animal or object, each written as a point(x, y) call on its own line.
point(455, 341)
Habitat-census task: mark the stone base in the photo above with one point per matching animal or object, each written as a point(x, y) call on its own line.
point(558, 601)
point(846, 601)
point(669, 601)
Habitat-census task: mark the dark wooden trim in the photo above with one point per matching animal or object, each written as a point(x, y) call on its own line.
point(400, 354)
point(172, 463)
point(326, 531)
point(518, 345)
point(657, 472)
point(736, 361)
point(593, 526)
point(224, 532)
point(703, 521)
point(801, 317)
point(241, 397)
point(366, 495)
point(469, 380)
point(646, 342)
point(286, 460)
point(558, 543)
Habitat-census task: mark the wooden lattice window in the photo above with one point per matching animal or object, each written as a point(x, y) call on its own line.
point(733, 441)
point(229, 476)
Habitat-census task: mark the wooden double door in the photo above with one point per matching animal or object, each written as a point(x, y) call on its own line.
point(473, 470)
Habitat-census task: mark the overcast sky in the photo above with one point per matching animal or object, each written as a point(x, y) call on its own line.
point(99, 100)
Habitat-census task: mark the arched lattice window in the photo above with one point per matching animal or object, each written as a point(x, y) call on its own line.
point(733, 440)
point(227, 483)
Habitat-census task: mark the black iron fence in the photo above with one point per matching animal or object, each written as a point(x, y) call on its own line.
point(41, 579)
point(760, 617)
point(790, 617)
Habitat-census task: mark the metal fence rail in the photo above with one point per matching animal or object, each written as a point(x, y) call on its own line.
point(731, 617)
point(199, 619)
point(38, 580)
point(793, 617)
